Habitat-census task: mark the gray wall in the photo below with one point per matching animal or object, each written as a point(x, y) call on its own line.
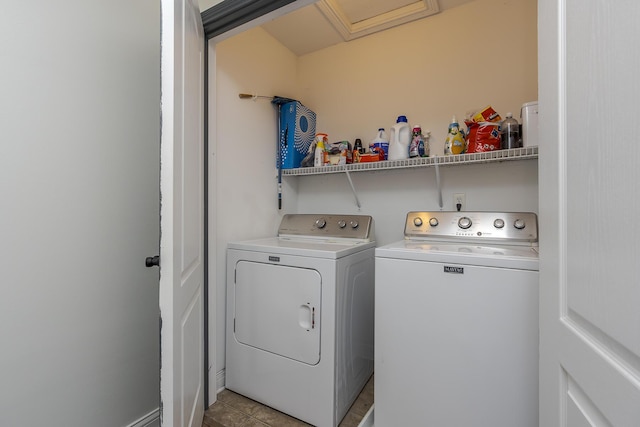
point(79, 211)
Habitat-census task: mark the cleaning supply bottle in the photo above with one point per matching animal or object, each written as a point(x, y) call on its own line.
point(454, 144)
point(509, 132)
point(320, 155)
point(358, 146)
point(380, 143)
point(427, 144)
point(417, 142)
point(400, 139)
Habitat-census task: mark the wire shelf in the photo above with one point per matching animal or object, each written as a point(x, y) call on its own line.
point(420, 162)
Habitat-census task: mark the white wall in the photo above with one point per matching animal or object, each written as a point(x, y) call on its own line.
point(428, 70)
point(448, 64)
point(389, 195)
point(243, 151)
point(79, 118)
point(465, 58)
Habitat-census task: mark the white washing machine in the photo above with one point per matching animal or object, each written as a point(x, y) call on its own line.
point(456, 318)
point(300, 316)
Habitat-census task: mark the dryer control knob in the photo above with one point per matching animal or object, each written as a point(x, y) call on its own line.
point(498, 223)
point(417, 221)
point(342, 223)
point(433, 222)
point(464, 223)
point(320, 223)
point(519, 224)
point(354, 224)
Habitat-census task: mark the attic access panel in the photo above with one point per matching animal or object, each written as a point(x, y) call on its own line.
point(358, 18)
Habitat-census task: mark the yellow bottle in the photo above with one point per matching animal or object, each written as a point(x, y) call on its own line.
point(454, 144)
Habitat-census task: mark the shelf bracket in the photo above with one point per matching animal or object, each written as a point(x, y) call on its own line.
point(355, 195)
point(437, 169)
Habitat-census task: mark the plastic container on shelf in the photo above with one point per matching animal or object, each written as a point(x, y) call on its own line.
point(400, 139)
point(455, 143)
point(427, 144)
point(529, 115)
point(380, 142)
point(320, 155)
point(416, 149)
point(509, 132)
point(358, 146)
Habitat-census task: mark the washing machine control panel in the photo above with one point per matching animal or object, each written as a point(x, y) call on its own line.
point(327, 226)
point(504, 227)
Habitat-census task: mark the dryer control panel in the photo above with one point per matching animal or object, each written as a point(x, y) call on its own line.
point(510, 228)
point(327, 226)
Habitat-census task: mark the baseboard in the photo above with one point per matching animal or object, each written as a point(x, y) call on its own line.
point(220, 380)
point(152, 419)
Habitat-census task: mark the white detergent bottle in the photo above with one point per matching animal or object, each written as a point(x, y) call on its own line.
point(400, 139)
point(380, 142)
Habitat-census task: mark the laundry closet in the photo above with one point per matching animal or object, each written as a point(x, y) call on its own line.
point(478, 53)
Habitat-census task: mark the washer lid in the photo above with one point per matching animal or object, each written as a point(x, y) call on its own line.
point(316, 248)
point(517, 257)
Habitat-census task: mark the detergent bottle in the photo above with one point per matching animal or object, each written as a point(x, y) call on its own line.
point(416, 149)
point(454, 144)
point(400, 139)
point(380, 143)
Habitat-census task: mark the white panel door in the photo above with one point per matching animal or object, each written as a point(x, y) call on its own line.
point(182, 234)
point(589, 56)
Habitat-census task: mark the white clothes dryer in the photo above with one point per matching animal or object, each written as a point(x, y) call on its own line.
point(456, 318)
point(300, 316)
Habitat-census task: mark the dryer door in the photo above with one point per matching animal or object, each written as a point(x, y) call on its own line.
point(277, 309)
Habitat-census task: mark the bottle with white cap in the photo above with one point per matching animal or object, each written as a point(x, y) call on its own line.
point(380, 143)
point(509, 132)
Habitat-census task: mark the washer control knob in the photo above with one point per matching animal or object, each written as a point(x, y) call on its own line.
point(354, 224)
point(464, 223)
point(498, 223)
point(433, 222)
point(417, 221)
point(342, 223)
point(320, 223)
point(519, 224)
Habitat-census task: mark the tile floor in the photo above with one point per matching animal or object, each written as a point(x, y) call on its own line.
point(234, 410)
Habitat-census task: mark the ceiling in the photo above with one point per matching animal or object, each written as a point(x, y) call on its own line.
point(329, 22)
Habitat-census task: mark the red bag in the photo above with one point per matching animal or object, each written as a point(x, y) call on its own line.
point(482, 136)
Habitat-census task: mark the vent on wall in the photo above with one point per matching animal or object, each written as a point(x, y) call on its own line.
point(358, 18)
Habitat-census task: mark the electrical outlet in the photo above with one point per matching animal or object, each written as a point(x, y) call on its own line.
point(459, 199)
